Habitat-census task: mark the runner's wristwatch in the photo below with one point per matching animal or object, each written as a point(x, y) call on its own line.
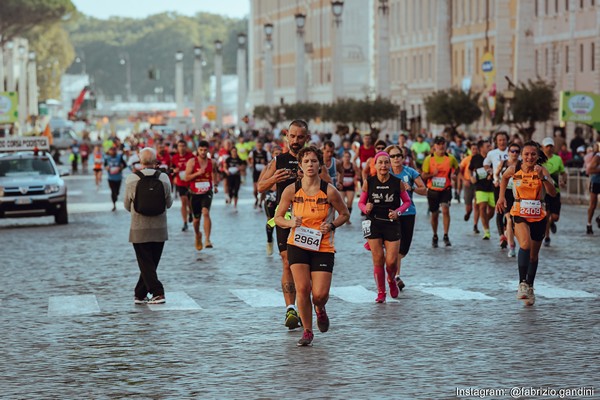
point(332, 226)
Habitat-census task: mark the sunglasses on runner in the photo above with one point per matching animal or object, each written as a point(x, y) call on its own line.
point(396, 156)
point(514, 151)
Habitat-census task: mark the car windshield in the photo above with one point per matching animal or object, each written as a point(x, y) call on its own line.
point(26, 166)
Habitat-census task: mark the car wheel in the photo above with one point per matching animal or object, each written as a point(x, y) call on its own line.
point(62, 217)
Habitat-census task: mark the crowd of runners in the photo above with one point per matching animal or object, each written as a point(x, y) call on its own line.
point(307, 185)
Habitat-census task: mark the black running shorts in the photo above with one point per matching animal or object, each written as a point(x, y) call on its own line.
point(318, 261)
point(435, 198)
point(537, 230)
point(553, 204)
point(200, 201)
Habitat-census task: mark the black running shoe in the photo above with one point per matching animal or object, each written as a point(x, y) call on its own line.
point(589, 230)
point(434, 242)
point(447, 241)
point(598, 221)
point(467, 216)
point(547, 242)
point(552, 227)
point(400, 283)
point(475, 229)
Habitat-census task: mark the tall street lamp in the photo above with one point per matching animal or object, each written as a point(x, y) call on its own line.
point(179, 83)
point(337, 8)
point(198, 87)
point(124, 61)
point(241, 73)
point(383, 43)
point(1, 66)
point(269, 95)
point(301, 95)
point(32, 89)
point(22, 53)
point(219, 82)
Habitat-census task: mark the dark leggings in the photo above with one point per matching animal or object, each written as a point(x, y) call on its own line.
point(115, 187)
point(233, 185)
point(407, 227)
point(500, 224)
point(270, 211)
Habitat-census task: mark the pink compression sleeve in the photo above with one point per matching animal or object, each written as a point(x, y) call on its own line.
point(362, 202)
point(405, 202)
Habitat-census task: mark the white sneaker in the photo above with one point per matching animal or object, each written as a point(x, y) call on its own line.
point(522, 291)
point(530, 297)
point(512, 252)
point(269, 248)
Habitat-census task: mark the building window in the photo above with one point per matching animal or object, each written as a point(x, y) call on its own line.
point(567, 59)
point(580, 3)
point(536, 7)
point(546, 70)
point(593, 55)
point(581, 57)
point(462, 63)
point(567, 5)
point(536, 63)
point(430, 66)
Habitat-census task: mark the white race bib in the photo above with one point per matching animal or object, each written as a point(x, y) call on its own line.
point(182, 175)
point(366, 227)
point(307, 238)
point(530, 208)
point(420, 156)
point(348, 181)
point(233, 170)
point(438, 182)
point(163, 166)
point(259, 167)
point(114, 170)
point(363, 165)
point(202, 187)
point(510, 185)
point(481, 173)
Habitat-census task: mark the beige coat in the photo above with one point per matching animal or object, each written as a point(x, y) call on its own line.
point(147, 229)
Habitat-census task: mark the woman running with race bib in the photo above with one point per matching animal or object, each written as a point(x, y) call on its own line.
point(310, 243)
point(530, 181)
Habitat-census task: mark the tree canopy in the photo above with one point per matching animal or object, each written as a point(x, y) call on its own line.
point(18, 17)
point(533, 102)
point(452, 107)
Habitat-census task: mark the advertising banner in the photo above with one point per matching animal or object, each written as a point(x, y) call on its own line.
point(582, 107)
point(9, 107)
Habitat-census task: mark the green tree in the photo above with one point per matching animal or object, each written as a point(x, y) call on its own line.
point(533, 102)
point(303, 110)
point(452, 107)
point(18, 17)
point(272, 114)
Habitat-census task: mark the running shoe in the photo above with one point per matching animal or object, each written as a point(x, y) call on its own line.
point(137, 300)
point(467, 216)
point(552, 227)
point(522, 291)
point(503, 242)
point(306, 340)
point(400, 283)
point(292, 320)
point(322, 319)
point(434, 241)
point(475, 229)
point(208, 244)
point(447, 241)
point(486, 235)
point(547, 242)
point(380, 297)
point(394, 291)
point(199, 242)
point(185, 227)
point(589, 230)
point(190, 218)
point(160, 299)
point(598, 221)
point(512, 252)
point(530, 297)
point(269, 248)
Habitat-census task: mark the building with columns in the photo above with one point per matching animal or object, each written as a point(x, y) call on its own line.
point(432, 45)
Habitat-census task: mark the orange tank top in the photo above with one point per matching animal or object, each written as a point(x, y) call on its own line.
point(314, 210)
point(441, 181)
point(528, 192)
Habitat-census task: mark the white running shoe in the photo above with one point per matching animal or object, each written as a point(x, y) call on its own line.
point(530, 297)
point(512, 252)
point(269, 248)
point(522, 291)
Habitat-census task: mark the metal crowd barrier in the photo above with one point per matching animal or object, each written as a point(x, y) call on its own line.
point(577, 190)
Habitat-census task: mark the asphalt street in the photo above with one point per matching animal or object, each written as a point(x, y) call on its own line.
point(71, 329)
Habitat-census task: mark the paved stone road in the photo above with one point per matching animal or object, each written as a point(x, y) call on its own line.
point(71, 330)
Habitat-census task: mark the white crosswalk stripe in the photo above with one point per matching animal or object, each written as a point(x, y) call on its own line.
point(542, 289)
point(72, 305)
point(176, 301)
point(449, 293)
point(260, 297)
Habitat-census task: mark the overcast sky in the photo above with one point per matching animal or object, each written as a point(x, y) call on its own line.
point(104, 9)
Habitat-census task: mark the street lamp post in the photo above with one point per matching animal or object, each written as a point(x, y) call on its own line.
point(179, 83)
point(241, 72)
point(383, 43)
point(32, 88)
point(1, 66)
point(10, 66)
point(219, 82)
point(269, 95)
point(22, 53)
point(124, 61)
point(337, 8)
point(198, 87)
point(301, 90)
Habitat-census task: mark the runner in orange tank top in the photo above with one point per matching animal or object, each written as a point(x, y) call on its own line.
point(310, 246)
point(530, 181)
